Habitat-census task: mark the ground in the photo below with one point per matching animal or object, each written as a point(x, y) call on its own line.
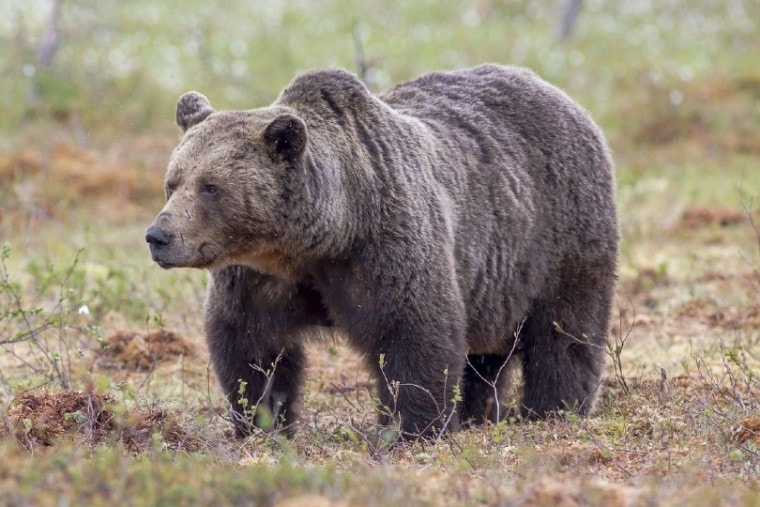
point(106, 394)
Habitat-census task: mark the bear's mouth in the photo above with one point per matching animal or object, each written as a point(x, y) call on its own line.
point(168, 260)
point(164, 264)
point(265, 260)
point(156, 256)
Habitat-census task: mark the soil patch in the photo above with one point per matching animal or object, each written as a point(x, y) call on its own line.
point(39, 419)
point(707, 216)
point(136, 351)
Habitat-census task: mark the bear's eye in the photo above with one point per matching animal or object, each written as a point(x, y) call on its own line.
point(170, 190)
point(209, 190)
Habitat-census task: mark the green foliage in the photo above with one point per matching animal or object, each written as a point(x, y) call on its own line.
point(41, 326)
point(134, 58)
point(116, 291)
point(161, 479)
point(77, 417)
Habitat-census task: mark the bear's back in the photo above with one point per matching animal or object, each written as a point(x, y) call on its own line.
point(531, 176)
point(490, 96)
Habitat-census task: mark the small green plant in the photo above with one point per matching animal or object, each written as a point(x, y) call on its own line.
point(77, 417)
point(502, 431)
point(35, 322)
point(116, 291)
point(615, 351)
point(258, 416)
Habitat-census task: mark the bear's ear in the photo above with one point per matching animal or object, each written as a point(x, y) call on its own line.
point(286, 136)
point(192, 108)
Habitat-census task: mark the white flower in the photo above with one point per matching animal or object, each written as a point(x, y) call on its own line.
point(83, 310)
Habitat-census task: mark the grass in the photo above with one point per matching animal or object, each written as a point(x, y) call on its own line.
point(105, 390)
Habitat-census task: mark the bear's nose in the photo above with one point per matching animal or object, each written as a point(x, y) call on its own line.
point(158, 238)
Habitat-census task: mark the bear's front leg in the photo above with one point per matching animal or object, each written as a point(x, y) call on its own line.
point(415, 346)
point(252, 330)
point(418, 374)
point(263, 391)
point(400, 307)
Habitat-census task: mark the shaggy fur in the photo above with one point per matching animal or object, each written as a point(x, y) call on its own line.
point(427, 224)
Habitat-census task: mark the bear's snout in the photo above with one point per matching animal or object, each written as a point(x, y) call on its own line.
point(158, 239)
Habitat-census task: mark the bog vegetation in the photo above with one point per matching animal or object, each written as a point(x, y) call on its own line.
point(106, 395)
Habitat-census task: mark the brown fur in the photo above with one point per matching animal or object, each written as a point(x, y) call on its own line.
point(428, 225)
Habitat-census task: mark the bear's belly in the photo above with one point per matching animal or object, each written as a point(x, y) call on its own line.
point(490, 344)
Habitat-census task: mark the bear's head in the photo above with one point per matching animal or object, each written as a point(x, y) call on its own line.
point(226, 186)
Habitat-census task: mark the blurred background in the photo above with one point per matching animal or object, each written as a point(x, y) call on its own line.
point(106, 70)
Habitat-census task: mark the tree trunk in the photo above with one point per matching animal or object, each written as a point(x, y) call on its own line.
point(568, 18)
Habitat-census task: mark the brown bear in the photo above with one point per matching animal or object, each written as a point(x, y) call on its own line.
point(444, 227)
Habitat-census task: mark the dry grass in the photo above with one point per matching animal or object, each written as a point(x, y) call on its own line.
point(692, 113)
point(704, 216)
point(137, 351)
point(44, 419)
point(38, 419)
point(36, 185)
point(748, 430)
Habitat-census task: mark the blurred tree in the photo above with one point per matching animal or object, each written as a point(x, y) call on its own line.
point(568, 18)
point(51, 40)
point(52, 37)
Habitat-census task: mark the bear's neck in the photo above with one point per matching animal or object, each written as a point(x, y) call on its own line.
point(319, 223)
point(348, 175)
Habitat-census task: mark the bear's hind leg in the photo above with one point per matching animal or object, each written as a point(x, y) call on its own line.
point(563, 345)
